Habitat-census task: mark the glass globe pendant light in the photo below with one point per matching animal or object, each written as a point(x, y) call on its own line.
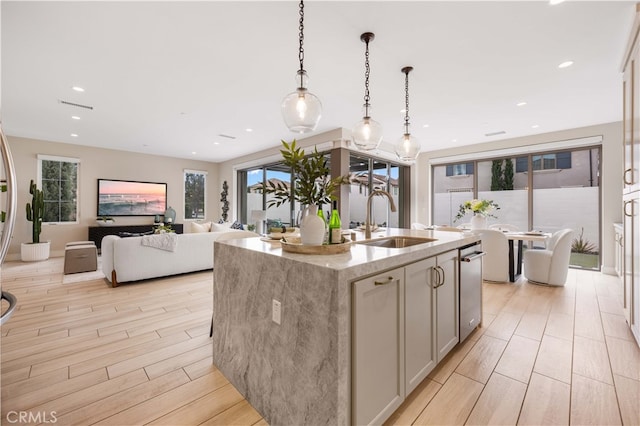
point(301, 110)
point(367, 133)
point(407, 148)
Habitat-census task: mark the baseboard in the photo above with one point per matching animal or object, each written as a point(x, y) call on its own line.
point(609, 270)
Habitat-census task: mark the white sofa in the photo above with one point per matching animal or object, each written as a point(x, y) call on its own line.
point(126, 259)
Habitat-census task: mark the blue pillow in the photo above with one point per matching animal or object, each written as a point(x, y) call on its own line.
point(234, 225)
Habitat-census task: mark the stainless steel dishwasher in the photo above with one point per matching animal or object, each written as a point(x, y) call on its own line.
point(470, 288)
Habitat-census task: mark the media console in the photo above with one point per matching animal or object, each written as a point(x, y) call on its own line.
point(97, 233)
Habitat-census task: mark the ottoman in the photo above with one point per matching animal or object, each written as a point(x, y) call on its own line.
point(80, 256)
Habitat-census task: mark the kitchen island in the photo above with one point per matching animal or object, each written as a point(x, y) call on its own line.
point(300, 370)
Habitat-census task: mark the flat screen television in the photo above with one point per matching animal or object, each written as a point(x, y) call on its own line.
point(131, 198)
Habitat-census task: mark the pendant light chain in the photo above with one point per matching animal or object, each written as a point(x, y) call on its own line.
point(366, 38)
point(301, 40)
point(406, 101)
point(367, 71)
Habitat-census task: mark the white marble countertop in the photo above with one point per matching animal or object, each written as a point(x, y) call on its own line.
point(361, 254)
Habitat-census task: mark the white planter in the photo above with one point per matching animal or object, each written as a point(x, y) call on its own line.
point(312, 227)
point(478, 222)
point(32, 252)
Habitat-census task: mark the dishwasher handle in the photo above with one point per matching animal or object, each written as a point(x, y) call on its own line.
point(474, 256)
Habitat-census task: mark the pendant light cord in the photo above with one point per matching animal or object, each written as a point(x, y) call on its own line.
point(301, 40)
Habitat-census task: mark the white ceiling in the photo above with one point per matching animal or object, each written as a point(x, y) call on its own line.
point(169, 77)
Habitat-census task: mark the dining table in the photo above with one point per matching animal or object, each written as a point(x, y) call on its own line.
point(515, 266)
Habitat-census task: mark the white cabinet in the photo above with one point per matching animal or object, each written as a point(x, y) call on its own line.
point(447, 302)
point(420, 353)
point(631, 178)
point(631, 265)
point(378, 347)
point(431, 314)
point(404, 322)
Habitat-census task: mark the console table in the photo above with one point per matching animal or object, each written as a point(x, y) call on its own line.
point(97, 233)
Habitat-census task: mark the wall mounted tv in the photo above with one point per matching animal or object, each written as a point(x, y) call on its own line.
point(130, 198)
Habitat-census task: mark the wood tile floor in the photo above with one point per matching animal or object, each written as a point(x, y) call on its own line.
point(140, 354)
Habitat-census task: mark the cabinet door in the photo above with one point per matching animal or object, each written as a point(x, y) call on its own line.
point(378, 347)
point(420, 357)
point(632, 158)
point(627, 124)
point(447, 304)
point(631, 264)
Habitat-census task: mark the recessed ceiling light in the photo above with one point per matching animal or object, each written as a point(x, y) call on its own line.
point(521, 104)
point(554, 2)
point(565, 64)
point(535, 126)
point(193, 153)
point(248, 130)
point(454, 140)
point(78, 89)
point(74, 135)
point(75, 117)
point(425, 125)
point(216, 143)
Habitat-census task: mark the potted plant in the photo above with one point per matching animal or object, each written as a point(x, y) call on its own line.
point(105, 220)
point(312, 186)
point(35, 250)
point(481, 209)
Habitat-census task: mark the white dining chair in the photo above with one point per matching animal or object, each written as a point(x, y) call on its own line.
point(495, 264)
point(551, 265)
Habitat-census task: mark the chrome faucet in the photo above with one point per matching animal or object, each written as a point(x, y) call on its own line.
point(367, 222)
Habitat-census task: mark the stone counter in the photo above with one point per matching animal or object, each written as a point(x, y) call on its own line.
point(297, 372)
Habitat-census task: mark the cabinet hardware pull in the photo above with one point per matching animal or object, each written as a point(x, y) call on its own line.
point(443, 278)
point(624, 177)
point(389, 279)
point(436, 281)
point(626, 203)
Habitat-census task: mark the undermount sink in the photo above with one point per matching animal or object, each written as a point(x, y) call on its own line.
point(396, 242)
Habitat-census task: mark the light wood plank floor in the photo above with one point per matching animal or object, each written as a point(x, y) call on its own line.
point(140, 354)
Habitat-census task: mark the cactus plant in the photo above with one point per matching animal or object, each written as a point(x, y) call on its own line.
point(35, 211)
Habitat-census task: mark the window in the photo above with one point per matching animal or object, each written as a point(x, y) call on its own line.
point(463, 169)
point(552, 161)
point(58, 179)
point(568, 197)
point(195, 185)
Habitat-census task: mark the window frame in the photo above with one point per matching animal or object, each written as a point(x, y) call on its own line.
point(184, 194)
point(60, 159)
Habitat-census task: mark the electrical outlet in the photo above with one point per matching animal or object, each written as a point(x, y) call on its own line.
point(276, 311)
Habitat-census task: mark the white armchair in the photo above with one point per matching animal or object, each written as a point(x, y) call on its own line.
point(550, 266)
point(495, 264)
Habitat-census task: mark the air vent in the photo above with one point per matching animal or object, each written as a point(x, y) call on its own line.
point(75, 105)
point(501, 132)
point(226, 136)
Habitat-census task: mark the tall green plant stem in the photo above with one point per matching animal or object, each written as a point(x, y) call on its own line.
point(35, 211)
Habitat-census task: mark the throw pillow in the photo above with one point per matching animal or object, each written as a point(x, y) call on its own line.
point(200, 227)
point(237, 225)
point(216, 227)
